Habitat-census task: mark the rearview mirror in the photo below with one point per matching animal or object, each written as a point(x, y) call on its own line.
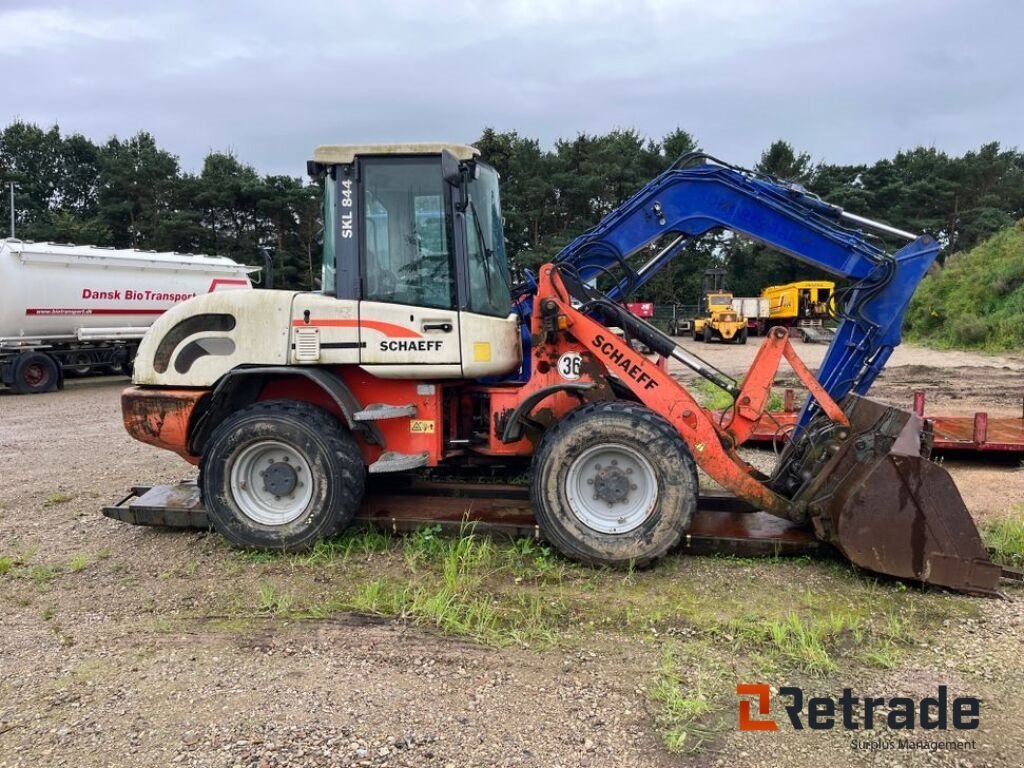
point(451, 171)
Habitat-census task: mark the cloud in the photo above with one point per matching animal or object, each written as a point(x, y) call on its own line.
point(45, 29)
point(847, 81)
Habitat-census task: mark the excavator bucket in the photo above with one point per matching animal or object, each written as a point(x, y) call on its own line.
point(884, 505)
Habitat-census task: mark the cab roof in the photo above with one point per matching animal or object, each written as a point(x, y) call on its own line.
point(343, 154)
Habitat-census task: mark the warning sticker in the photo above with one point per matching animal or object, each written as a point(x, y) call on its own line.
point(422, 426)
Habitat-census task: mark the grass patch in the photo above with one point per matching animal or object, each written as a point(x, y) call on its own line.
point(78, 563)
point(353, 542)
point(688, 715)
point(460, 585)
point(714, 621)
point(42, 575)
point(55, 498)
point(272, 600)
point(807, 643)
point(358, 543)
point(1005, 539)
point(467, 585)
point(976, 301)
point(7, 563)
point(714, 398)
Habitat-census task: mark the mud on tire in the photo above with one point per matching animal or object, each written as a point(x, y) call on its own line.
point(281, 475)
point(569, 460)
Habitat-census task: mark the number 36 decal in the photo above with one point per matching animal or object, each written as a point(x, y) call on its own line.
point(569, 365)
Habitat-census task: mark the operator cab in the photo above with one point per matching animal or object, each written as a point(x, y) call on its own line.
point(413, 233)
point(719, 301)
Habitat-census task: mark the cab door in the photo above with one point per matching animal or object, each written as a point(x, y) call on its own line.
point(491, 341)
point(408, 316)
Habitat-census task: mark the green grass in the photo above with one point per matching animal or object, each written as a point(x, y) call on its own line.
point(7, 563)
point(1005, 538)
point(78, 562)
point(452, 583)
point(272, 600)
point(43, 574)
point(683, 692)
point(523, 593)
point(976, 301)
point(808, 643)
point(714, 398)
point(712, 620)
point(467, 585)
point(57, 497)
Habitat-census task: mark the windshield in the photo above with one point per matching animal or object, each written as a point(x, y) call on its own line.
point(489, 292)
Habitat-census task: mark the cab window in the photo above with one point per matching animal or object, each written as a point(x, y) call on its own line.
point(327, 275)
point(406, 230)
point(489, 283)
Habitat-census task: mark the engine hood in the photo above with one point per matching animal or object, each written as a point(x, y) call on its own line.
point(196, 342)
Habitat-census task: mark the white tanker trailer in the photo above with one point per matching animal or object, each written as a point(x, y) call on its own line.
point(83, 308)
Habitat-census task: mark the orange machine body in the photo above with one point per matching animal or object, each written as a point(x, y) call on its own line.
point(459, 419)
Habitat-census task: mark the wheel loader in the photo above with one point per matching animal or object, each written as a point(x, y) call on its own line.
point(421, 352)
point(716, 318)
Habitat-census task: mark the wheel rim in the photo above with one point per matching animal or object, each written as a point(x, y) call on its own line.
point(36, 375)
point(612, 488)
point(79, 364)
point(271, 482)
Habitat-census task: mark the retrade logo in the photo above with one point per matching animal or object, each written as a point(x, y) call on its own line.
point(851, 713)
point(763, 694)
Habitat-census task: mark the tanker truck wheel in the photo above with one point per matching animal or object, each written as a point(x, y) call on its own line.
point(78, 364)
point(613, 484)
point(35, 372)
point(281, 475)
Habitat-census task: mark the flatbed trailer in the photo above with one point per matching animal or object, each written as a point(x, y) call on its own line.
point(978, 432)
point(722, 523)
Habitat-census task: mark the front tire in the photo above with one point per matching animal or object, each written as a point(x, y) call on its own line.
point(613, 484)
point(708, 334)
point(281, 475)
point(741, 337)
point(35, 373)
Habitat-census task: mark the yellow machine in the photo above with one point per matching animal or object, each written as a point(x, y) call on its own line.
point(804, 303)
point(716, 317)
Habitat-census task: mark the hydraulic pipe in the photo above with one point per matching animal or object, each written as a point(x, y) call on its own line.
point(877, 226)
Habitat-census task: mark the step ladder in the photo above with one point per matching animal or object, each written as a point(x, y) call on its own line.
point(392, 461)
point(378, 411)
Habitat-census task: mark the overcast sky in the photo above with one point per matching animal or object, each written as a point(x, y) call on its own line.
point(845, 81)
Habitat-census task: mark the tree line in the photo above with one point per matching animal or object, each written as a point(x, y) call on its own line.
point(131, 193)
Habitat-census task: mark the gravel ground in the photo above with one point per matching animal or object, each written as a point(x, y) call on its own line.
point(112, 651)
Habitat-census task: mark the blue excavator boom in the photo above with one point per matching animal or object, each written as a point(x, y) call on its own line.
point(864, 480)
point(699, 195)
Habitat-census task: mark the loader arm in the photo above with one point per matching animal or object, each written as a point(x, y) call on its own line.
point(857, 470)
point(699, 195)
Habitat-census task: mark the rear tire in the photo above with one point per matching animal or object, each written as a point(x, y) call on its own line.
point(281, 475)
point(35, 373)
point(77, 364)
point(613, 484)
